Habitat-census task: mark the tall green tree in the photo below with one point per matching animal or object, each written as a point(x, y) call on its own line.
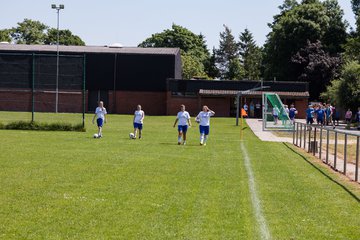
point(250, 55)
point(335, 35)
point(5, 35)
point(312, 21)
point(346, 89)
point(29, 32)
point(236, 70)
point(212, 70)
point(227, 52)
point(179, 37)
point(65, 38)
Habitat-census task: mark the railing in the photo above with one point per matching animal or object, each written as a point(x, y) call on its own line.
point(338, 149)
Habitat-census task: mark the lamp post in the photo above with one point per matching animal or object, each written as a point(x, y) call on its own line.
point(54, 6)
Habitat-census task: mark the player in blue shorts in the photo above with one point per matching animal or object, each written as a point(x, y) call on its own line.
point(100, 115)
point(320, 115)
point(138, 121)
point(183, 118)
point(292, 113)
point(310, 115)
point(203, 118)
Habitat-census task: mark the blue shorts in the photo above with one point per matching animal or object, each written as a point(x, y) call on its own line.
point(320, 120)
point(204, 130)
point(182, 128)
point(100, 122)
point(138, 125)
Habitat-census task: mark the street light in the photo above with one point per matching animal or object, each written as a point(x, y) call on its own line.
point(53, 6)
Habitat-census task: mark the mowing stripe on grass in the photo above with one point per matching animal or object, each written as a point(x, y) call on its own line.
point(264, 231)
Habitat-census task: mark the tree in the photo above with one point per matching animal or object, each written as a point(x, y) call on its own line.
point(355, 5)
point(335, 36)
point(65, 38)
point(236, 70)
point(227, 52)
point(212, 70)
point(318, 67)
point(29, 32)
point(308, 21)
point(179, 37)
point(191, 66)
point(346, 89)
point(5, 35)
point(250, 55)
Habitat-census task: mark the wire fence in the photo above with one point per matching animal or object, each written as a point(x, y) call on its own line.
point(338, 149)
point(30, 83)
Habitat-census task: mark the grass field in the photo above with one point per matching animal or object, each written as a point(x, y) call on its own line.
point(67, 185)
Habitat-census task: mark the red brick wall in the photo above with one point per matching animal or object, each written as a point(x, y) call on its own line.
point(125, 102)
point(21, 100)
point(221, 105)
point(301, 106)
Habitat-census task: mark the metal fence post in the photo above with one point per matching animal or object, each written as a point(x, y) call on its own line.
point(33, 89)
point(320, 144)
point(335, 150)
point(345, 154)
point(305, 127)
point(301, 132)
point(294, 134)
point(310, 129)
point(327, 146)
point(315, 145)
point(357, 159)
point(84, 90)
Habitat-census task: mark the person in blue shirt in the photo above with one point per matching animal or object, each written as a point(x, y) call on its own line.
point(292, 113)
point(320, 112)
point(310, 115)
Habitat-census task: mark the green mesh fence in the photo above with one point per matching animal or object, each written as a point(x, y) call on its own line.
point(42, 88)
point(273, 104)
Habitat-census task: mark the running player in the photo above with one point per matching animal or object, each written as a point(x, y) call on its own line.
point(292, 113)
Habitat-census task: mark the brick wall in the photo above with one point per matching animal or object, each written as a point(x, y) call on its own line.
point(21, 100)
point(125, 102)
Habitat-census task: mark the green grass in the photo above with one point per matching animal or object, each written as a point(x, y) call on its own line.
point(67, 185)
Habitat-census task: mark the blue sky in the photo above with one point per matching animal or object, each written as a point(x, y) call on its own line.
point(129, 22)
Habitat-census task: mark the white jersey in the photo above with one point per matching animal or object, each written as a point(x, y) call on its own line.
point(204, 118)
point(100, 112)
point(183, 117)
point(139, 116)
point(275, 111)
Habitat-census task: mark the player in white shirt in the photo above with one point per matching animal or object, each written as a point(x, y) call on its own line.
point(100, 115)
point(183, 120)
point(138, 121)
point(203, 118)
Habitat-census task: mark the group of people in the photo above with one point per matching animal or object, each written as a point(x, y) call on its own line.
point(182, 119)
point(284, 113)
point(323, 114)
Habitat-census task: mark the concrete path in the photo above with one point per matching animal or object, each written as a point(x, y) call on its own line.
point(256, 127)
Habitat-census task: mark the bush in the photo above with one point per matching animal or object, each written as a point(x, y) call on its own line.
point(23, 125)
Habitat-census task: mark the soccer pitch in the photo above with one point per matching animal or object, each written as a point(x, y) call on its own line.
point(67, 185)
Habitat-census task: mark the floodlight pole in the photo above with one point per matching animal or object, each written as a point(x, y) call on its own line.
point(53, 6)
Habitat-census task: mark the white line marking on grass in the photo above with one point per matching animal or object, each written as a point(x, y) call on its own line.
point(264, 231)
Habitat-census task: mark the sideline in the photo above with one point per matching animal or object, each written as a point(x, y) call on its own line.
point(264, 230)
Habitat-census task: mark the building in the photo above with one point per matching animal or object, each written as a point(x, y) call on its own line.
point(122, 78)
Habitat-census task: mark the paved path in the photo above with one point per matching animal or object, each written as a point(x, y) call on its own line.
point(256, 127)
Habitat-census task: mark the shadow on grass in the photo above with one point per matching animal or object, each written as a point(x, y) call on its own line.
point(324, 173)
point(175, 144)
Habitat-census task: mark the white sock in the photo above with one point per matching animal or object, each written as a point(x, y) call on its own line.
point(201, 138)
point(205, 138)
point(179, 138)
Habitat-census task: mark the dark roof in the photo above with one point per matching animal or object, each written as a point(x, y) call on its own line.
point(88, 49)
point(210, 92)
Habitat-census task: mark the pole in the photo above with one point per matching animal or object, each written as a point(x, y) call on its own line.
point(32, 89)
point(241, 119)
point(84, 91)
point(57, 64)
point(237, 108)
